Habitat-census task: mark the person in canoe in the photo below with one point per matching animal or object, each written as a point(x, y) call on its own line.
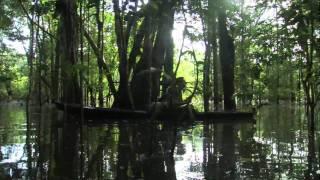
point(172, 101)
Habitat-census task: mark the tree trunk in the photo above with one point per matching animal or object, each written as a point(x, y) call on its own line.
point(168, 61)
point(243, 83)
point(56, 68)
point(227, 59)
point(30, 58)
point(212, 26)
point(70, 85)
point(207, 32)
point(163, 48)
point(123, 97)
point(145, 83)
point(100, 55)
point(141, 80)
point(311, 98)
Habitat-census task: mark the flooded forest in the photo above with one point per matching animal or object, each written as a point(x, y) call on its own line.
point(159, 89)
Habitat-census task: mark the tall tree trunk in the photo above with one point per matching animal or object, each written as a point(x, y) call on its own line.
point(52, 58)
point(155, 57)
point(310, 89)
point(278, 58)
point(242, 72)
point(123, 98)
point(69, 42)
point(141, 83)
point(56, 68)
point(163, 48)
point(169, 45)
point(71, 91)
point(30, 59)
point(213, 43)
point(216, 79)
point(227, 59)
point(207, 31)
point(100, 55)
point(168, 61)
point(138, 41)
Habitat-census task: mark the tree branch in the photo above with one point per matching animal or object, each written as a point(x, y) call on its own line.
point(33, 22)
point(189, 99)
point(103, 62)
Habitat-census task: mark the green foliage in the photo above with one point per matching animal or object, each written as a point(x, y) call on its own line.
point(13, 75)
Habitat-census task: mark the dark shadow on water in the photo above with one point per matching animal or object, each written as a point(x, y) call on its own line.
point(146, 150)
point(219, 151)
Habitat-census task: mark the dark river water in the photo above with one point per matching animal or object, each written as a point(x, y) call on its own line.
point(275, 147)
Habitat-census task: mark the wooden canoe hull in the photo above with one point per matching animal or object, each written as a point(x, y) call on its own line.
point(102, 113)
point(106, 115)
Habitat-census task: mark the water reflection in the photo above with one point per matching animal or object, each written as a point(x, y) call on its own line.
point(49, 146)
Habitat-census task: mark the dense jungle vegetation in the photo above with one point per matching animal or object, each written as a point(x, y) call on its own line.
point(123, 53)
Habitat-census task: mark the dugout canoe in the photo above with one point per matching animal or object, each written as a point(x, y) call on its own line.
point(103, 115)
